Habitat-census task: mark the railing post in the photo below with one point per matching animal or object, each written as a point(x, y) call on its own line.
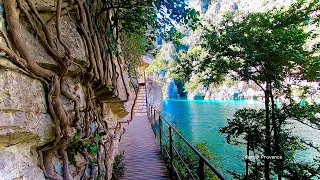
point(171, 153)
point(160, 134)
point(147, 110)
point(154, 121)
point(201, 169)
point(150, 112)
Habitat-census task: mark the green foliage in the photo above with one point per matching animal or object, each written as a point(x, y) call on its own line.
point(158, 17)
point(140, 23)
point(74, 147)
point(307, 114)
point(76, 137)
point(246, 121)
point(247, 128)
point(267, 48)
point(229, 81)
point(94, 149)
point(262, 46)
point(118, 167)
point(134, 46)
point(190, 159)
point(188, 68)
point(157, 66)
point(72, 150)
point(97, 137)
point(194, 85)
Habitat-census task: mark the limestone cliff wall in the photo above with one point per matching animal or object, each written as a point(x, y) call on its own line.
point(27, 125)
point(154, 94)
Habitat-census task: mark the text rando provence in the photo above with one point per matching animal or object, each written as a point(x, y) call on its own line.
point(263, 157)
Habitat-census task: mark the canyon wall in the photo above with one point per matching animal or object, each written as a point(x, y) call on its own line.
point(29, 147)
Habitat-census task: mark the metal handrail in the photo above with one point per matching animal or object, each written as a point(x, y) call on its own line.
point(152, 111)
point(202, 160)
point(174, 148)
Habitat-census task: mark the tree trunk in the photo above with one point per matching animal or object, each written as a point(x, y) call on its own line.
point(248, 153)
point(276, 134)
point(267, 150)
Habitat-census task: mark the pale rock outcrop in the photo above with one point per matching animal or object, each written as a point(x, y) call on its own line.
point(154, 94)
point(20, 162)
point(171, 89)
point(24, 124)
point(240, 90)
point(195, 95)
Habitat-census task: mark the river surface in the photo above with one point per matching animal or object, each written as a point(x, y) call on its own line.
point(200, 120)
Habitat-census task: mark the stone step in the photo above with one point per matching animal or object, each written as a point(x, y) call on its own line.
point(140, 101)
point(142, 108)
point(140, 111)
point(144, 102)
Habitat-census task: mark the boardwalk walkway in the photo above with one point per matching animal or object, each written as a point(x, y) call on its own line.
point(141, 152)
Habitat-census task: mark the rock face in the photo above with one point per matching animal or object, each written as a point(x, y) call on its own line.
point(25, 122)
point(171, 89)
point(195, 95)
point(239, 91)
point(154, 94)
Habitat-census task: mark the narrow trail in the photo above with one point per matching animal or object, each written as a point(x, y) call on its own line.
point(141, 152)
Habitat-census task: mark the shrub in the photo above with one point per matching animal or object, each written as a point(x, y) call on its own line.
point(118, 167)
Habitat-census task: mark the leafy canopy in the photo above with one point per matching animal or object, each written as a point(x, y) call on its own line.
point(266, 47)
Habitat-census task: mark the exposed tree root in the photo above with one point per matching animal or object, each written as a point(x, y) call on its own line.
point(85, 127)
point(14, 27)
point(58, 23)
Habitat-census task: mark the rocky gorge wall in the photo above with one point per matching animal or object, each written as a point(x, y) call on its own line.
point(236, 91)
point(34, 142)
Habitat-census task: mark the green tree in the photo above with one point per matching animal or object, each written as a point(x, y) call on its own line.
point(196, 66)
point(267, 48)
point(246, 128)
point(141, 21)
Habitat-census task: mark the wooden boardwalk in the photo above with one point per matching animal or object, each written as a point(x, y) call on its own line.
point(141, 151)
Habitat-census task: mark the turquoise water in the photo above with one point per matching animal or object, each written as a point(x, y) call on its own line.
point(199, 121)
